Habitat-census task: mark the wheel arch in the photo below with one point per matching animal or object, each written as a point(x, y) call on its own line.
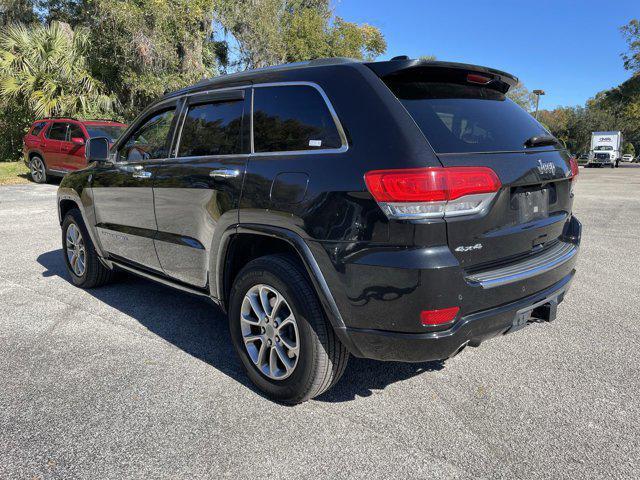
point(246, 242)
point(68, 198)
point(37, 153)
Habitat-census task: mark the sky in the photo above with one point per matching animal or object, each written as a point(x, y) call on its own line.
point(569, 49)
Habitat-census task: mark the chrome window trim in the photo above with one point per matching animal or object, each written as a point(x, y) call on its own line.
point(343, 137)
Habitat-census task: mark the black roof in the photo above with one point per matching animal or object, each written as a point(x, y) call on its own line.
point(382, 69)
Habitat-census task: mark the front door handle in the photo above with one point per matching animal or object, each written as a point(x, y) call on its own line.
point(224, 173)
point(141, 174)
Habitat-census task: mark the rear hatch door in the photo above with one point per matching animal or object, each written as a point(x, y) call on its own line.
point(469, 121)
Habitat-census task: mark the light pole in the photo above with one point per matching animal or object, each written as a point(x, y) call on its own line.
point(537, 93)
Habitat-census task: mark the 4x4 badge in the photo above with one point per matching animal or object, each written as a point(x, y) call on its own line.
point(468, 248)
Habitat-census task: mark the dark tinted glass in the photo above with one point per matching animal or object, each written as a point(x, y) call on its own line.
point(75, 131)
point(291, 118)
point(112, 132)
point(57, 131)
point(212, 129)
point(463, 118)
point(37, 128)
point(150, 140)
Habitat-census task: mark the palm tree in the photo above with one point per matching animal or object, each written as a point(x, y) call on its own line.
point(45, 69)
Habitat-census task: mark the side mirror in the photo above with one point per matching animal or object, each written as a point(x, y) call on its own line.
point(77, 140)
point(97, 150)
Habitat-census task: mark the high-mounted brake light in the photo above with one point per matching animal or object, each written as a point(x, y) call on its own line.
point(418, 193)
point(438, 317)
point(480, 79)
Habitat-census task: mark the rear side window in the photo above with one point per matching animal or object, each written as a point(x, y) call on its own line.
point(292, 118)
point(75, 131)
point(212, 129)
point(464, 118)
point(37, 128)
point(57, 131)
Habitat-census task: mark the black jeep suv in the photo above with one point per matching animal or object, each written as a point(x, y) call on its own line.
point(397, 210)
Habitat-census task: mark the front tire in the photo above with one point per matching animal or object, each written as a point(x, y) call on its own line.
point(285, 343)
point(81, 258)
point(38, 169)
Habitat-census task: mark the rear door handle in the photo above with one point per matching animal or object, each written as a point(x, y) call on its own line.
point(224, 173)
point(141, 174)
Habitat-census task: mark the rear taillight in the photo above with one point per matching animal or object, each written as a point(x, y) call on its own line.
point(574, 167)
point(436, 192)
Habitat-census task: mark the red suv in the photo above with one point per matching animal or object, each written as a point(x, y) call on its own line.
point(53, 147)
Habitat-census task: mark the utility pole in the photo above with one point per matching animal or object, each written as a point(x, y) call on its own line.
point(537, 93)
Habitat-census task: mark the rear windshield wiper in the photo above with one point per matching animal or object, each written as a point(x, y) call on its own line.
point(540, 141)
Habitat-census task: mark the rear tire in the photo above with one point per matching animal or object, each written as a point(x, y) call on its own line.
point(38, 169)
point(270, 288)
point(81, 258)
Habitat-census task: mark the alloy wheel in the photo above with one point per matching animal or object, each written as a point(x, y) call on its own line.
point(269, 332)
point(38, 172)
point(76, 251)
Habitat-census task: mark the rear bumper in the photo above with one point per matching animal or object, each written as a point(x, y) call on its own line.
point(471, 330)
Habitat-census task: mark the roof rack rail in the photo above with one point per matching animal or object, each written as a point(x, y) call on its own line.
point(101, 120)
point(80, 119)
point(58, 118)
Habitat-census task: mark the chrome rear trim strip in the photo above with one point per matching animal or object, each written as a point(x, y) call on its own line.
point(552, 258)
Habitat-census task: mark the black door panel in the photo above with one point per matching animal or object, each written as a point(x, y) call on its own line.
point(123, 191)
point(125, 220)
point(193, 207)
point(197, 194)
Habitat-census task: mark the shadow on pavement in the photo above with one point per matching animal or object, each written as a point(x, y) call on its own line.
point(198, 327)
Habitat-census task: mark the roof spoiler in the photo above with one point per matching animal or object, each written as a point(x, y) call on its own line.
point(405, 67)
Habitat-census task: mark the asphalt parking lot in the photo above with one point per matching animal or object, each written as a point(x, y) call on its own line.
point(135, 380)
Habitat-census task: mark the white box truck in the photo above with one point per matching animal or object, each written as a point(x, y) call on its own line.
point(606, 149)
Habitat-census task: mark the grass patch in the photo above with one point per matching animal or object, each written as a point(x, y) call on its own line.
point(13, 173)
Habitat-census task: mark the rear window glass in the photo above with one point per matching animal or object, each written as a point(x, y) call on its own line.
point(463, 118)
point(112, 132)
point(75, 131)
point(292, 118)
point(37, 128)
point(212, 129)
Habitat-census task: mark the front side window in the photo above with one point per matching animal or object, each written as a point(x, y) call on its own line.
point(212, 129)
point(292, 118)
point(57, 131)
point(150, 140)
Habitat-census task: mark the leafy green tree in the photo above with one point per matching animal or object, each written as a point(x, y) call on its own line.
point(631, 33)
point(144, 48)
point(44, 72)
point(14, 11)
point(522, 96)
point(269, 32)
